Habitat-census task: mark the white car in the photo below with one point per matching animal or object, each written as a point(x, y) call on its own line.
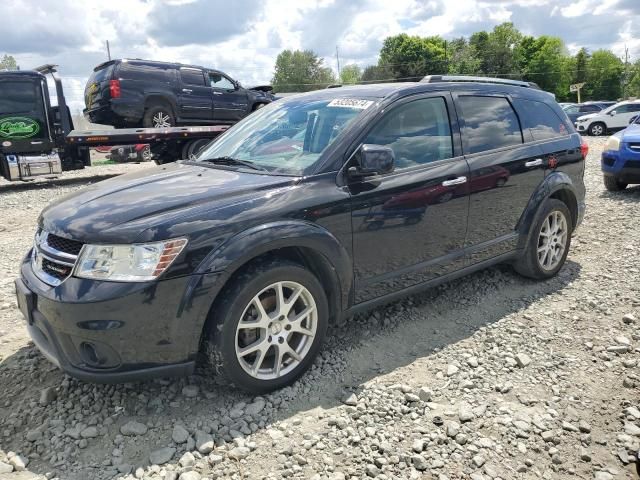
point(615, 117)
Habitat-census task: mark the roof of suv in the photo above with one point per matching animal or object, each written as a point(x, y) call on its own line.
point(140, 61)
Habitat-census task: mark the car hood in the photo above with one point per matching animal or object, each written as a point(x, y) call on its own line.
point(121, 209)
point(588, 116)
point(631, 133)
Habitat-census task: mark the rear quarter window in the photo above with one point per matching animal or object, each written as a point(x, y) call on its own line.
point(540, 119)
point(133, 71)
point(488, 123)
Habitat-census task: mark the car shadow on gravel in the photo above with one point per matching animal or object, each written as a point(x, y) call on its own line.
point(368, 348)
point(630, 194)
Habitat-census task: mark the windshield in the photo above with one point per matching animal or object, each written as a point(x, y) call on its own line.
point(288, 136)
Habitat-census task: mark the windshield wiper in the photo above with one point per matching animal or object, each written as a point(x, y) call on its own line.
point(233, 161)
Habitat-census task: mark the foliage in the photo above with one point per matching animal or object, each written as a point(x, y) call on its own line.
point(8, 63)
point(300, 71)
point(350, 74)
point(413, 57)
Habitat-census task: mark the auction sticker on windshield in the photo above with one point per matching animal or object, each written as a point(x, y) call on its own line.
point(350, 103)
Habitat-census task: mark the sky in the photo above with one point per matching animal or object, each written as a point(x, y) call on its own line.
point(244, 37)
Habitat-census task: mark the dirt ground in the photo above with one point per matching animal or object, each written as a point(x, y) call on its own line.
point(488, 377)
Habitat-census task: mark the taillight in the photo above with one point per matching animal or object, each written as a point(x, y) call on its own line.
point(114, 88)
point(584, 149)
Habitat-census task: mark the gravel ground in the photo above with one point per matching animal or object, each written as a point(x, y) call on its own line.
point(489, 377)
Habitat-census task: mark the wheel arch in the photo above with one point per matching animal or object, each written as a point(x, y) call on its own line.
point(557, 185)
point(304, 243)
point(152, 99)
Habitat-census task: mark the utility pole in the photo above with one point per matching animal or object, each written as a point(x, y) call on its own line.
point(338, 62)
point(108, 50)
point(626, 72)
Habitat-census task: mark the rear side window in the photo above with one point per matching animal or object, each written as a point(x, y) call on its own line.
point(141, 71)
point(19, 97)
point(540, 118)
point(589, 108)
point(192, 76)
point(418, 132)
point(102, 74)
point(489, 123)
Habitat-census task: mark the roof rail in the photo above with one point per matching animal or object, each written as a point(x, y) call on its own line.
point(469, 78)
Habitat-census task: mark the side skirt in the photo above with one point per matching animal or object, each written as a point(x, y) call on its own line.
point(369, 304)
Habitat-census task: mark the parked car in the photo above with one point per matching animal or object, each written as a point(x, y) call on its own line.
point(620, 159)
point(130, 153)
point(615, 117)
point(134, 93)
point(577, 110)
point(245, 254)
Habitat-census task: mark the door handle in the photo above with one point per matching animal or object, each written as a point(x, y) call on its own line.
point(533, 163)
point(187, 90)
point(217, 93)
point(455, 181)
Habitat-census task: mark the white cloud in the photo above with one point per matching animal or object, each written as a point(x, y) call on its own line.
point(244, 37)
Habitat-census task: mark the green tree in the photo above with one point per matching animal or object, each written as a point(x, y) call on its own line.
point(633, 87)
point(350, 74)
point(604, 76)
point(8, 63)
point(300, 71)
point(581, 65)
point(462, 58)
point(543, 60)
point(479, 41)
point(375, 73)
point(413, 57)
point(503, 40)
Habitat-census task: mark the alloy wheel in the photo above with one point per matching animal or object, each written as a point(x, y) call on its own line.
point(161, 120)
point(597, 130)
point(276, 330)
point(552, 240)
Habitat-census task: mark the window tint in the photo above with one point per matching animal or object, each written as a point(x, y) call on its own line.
point(589, 108)
point(102, 74)
point(418, 132)
point(19, 97)
point(540, 119)
point(489, 122)
point(635, 107)
point(574, 109)
point(141, 71)
point(191, 76)
point(219, 81)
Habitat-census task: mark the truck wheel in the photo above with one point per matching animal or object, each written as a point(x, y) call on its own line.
point(548, 243)
point(271, 322)
point(613, 184)
point(597, 129)
point(158, 116)
point(144, 155)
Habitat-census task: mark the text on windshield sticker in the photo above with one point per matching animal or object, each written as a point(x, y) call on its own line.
point(350, 103)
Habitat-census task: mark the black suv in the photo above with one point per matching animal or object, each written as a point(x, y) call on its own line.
point(315, 207)
point(134, 93)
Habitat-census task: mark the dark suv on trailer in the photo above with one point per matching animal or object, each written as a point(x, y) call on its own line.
point(133, 93)
point(315, 207)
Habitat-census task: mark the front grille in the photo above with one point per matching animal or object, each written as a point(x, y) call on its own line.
point(54, 257)
point(55, 269)
point(65, 245)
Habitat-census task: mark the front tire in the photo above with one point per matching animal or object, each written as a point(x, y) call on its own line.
point(548, 243)
point(612, 184)
point(270, 325)
point(597, 129)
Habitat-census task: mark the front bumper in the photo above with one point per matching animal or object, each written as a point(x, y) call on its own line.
point(623, 164)
point(117, 332)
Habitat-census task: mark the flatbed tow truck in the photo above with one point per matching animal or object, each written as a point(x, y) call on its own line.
point(38, 139)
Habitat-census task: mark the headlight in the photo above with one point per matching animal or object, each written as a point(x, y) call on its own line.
point(128, 263)
point(613, 143)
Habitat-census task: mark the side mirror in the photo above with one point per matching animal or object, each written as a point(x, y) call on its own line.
point(612, 113)
point(372, 160)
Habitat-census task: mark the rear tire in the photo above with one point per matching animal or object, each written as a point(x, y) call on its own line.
point(158, 116)
point(597, 129)
point(612, 184)
point(548, 243)
point(284, 341)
